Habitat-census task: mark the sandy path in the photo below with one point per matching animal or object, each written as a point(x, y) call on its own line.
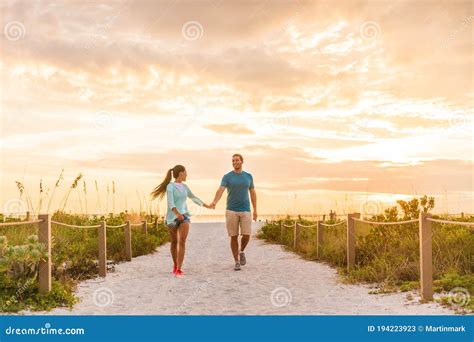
point(273, 282)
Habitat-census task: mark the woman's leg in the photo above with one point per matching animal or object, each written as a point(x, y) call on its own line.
point(183, 231)
point(174, 245)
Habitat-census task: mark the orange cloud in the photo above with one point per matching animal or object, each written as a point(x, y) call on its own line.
point(229, 129)
point(319, 95)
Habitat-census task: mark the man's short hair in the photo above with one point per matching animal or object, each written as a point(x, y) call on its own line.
point(238, 155)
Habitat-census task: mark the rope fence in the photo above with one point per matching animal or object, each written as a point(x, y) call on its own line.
point(73, 226)
point(332, 225)
point(45, 237)
point(425, 239)
point(120, 226)
point(19, 223)
point(385, 223)
point(307, 226)
point(425, 233)
point(470, 224)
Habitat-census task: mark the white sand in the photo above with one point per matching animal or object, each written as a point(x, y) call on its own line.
point(274, 282)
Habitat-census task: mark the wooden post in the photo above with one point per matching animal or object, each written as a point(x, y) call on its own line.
point(103, 249)
point(27, 216)
point(351, 238)
point(145, 227)
point(281, 231)
point(319, 238)
point(44, 237)
point(324, 217)
point(156, 223)
point(128, 241)
point(426, 257)
point(296, 235)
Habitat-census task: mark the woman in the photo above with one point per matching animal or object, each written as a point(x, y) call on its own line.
point(177, 215)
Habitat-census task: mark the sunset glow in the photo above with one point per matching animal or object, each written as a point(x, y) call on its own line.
point(333, 104)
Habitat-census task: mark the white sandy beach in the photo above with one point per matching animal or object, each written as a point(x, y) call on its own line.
point(274, 282)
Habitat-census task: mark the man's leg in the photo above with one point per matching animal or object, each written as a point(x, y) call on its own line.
point(244, 241)
point(245, 229)
point(232, 224)
point(234, 245)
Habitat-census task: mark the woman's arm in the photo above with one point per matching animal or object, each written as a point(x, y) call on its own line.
point(194, 198)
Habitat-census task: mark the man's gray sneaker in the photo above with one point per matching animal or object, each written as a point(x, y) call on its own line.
point(243, 261)
point(237, 266)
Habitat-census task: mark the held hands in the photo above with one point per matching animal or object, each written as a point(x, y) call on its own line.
point(180, 217)
point(210, 206)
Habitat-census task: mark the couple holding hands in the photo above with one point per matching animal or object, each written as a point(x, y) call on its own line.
point(239, 185)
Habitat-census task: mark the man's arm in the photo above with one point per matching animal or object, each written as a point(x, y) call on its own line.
point(253, 198)
point(218, 196)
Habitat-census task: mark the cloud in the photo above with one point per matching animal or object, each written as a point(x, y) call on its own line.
point(272, 56)
point(317, 103)
point(230, 129)
point(289, 168)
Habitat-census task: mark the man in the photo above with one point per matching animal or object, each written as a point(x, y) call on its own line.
point(238, 184)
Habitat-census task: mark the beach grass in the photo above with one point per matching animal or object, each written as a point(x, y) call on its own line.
point(74, 256)
point(388, 256)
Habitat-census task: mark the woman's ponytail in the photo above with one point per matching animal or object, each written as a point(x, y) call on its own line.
point(160, 190)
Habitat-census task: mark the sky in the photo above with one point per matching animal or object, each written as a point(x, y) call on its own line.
point(341, 105)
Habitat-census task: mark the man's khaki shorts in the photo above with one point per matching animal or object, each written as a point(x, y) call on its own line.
point(236, 219)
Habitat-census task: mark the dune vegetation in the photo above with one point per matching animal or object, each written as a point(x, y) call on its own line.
point(388, 256)
point(74, 251)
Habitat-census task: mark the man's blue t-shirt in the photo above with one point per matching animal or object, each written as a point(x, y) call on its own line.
point(238, 185)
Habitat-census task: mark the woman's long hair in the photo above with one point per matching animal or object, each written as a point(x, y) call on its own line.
point(160, 190)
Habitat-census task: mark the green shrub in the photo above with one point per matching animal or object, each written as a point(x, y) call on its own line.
point(74, 254)
point(389, 255)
